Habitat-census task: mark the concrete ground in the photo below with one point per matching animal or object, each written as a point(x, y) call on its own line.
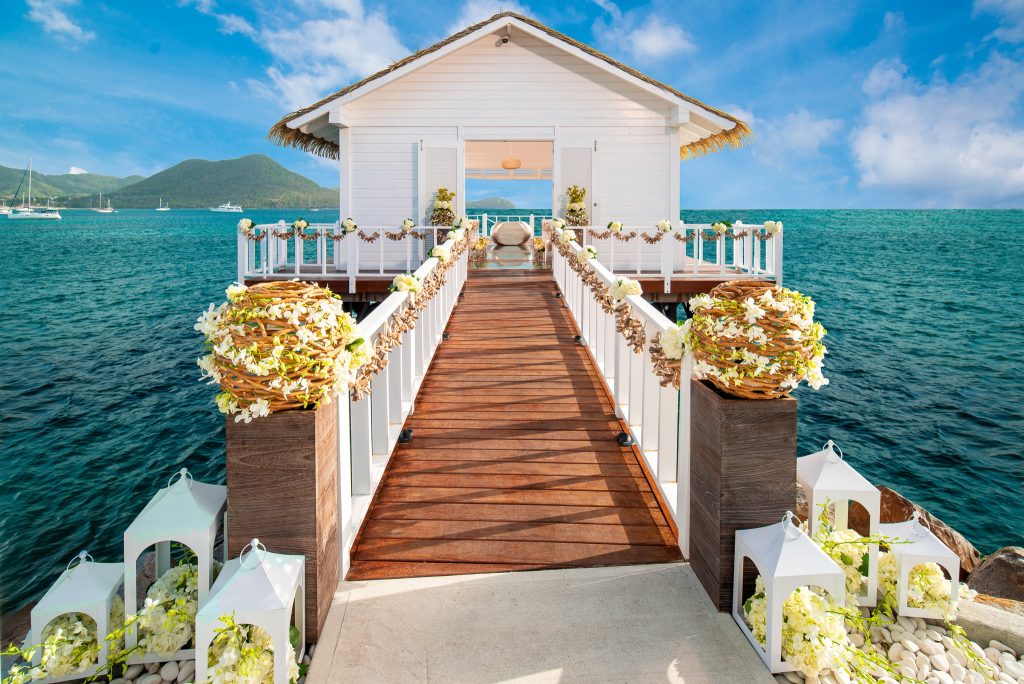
point(641, 623)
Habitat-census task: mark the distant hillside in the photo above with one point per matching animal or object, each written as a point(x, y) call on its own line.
point(60, 186)
point(252, 181)
point(490, 203)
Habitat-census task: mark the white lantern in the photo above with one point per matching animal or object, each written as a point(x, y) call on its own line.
point(88, 588)
point(920, 545)
point(827, 478)
point(786, 559)
point(258, 588)
point(187, 512)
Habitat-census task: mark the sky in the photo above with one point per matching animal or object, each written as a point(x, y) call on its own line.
point(853, 104)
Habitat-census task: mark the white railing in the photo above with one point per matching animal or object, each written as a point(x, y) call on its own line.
point(369, 428)
point(658, 417)
point(488, 221)
point(325, 255)
point(698, 257)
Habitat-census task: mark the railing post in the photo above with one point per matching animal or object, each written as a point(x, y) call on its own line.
point(483, 226)
point(243, 256)
point(299, 256)
point(362, 451)
point(352, 259)
point(379, 406)
point(776, 243)
point(683, 458)
point(345, 531)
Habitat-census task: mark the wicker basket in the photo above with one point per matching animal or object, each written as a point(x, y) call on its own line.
point(262, 331)
point(780, 346)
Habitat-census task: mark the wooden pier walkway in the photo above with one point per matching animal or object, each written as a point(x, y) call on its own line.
point(513, 463)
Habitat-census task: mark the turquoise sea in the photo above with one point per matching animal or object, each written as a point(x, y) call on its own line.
point(101, 405)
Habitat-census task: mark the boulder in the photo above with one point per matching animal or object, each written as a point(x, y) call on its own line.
point(1000, 574)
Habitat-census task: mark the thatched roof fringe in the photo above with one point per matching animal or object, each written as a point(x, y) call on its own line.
point(282, 134)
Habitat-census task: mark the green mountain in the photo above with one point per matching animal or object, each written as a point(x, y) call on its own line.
point(252, 181)
point(491, 203)
point(61, 187)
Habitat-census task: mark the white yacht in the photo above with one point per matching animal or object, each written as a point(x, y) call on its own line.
point(163, 207)
point(104, 210)
point(27, 211)
point(228, 208)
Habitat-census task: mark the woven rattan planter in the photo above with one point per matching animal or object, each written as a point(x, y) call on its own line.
point(742, 475)
point(282, 473)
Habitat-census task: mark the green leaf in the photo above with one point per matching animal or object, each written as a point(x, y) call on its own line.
point(846, 559)
point(354, 344)
point(865, 561)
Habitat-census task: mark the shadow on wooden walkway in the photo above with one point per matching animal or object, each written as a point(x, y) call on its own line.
point(514, 463)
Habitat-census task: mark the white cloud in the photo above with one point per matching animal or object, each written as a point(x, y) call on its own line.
point(229, 23)
point(946, 144)
point(798, 135)
point(1011, 14)
point(51, 15)
point(643, 36)
point(475, 11)
point(894, 22)
point(75, 171)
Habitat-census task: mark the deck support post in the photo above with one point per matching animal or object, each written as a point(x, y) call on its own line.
point(742, 475)
point(282, 477)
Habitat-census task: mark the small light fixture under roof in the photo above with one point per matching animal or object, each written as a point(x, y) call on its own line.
point(511, 163)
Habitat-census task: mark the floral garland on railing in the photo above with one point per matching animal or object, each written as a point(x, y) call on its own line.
point(404, 320)
point(369, 239)
point(246, 228)
point(667, 354)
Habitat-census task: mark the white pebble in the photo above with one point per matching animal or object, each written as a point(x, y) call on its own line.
point(957, 671)
point(828, 679)
point(186, 671)
point(152, 667)
point(978, 650)
point(894, 652)
point(992, 654)
point(305, 660)
point(922, 662)
point(920, 634)
point(857, 639)
point(169, 672)
point(974, 678)
point(132, 672)
point(940, 661)
point(906, 623)
point(919, 623)
point(151, 679)
point(312, 648)
point(1000, 646)
point(929, 647)
point(119, 680)
point(910, 646)
point(841, 676)
point(793, 677)
point(958, 656)
point(924, 672)
point(943, 677)
point(1012, 668)
point(907, 671)
point(1006, 679)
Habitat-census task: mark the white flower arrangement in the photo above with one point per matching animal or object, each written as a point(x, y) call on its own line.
point(624, 287)
point(481, 244)
point(462, 223)
point(557, 223)
point(349, 226)
point(290, 363)
point(576, 209)
point(814, 634)
point(245, 225)
point(244, 654)
point(442, 213)
point(673, 340)
point(456, 235)
point(772, 228)
point(588, 253)
point(441, 204)
point(850, 552)
point(300, 224)
point(615, 227)
point(566, 236)
point(408, 224)
point(717, 320)
point(927, 587)
point(406, 282)
point(168, 618)
point(664, 226)
point(442, 253)
point(720, 228)
point(538, 244)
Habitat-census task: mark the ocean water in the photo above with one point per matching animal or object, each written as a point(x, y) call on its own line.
point(101, 404)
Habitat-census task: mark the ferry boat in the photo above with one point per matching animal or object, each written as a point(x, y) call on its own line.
point(228, 208)
point(27, 211)
point(162, 206)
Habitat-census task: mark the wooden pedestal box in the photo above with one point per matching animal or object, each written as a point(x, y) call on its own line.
point(282, 473)
point(742, 474)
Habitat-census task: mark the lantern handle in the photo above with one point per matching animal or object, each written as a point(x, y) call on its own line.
point(82, 557)
point(920, 524)
point(256, 545)
point(181, 474)
point(832, 448)
point(789, 525)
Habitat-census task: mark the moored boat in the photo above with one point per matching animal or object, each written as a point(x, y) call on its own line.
point(228, 207)
point(27, 211)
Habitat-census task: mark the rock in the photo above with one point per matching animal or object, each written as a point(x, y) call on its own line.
point(312, 648)
point(857, 639)
point(169, 672)
point(119, 680)
point(957, 671)
point(152, 667)
point(1000, 574)
point(910, 646)
point(907, 671)
point(151, 679)
point(894, 652)
point(187, 671)
point(897, 508)
point(929, 647)
point(306, 660)
point(793, 677)
point(992, 654)
point(132, 672)
point(943, 677)
point(940, 661)
point(1000, 646)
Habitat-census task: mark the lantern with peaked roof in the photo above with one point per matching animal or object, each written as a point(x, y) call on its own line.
point(917, 544)
point(85, 587)
point(187, 512)
point(258, 588)
point(786, 559)
point(827, 479)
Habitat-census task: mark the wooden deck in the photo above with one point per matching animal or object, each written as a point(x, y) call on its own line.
point(513, 464)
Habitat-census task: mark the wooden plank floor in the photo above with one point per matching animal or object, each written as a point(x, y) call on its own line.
point(513, 463)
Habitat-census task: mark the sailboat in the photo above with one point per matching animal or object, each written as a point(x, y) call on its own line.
point(4, 209)
point(26, 210)
point(104, 210)
point(162, 206)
